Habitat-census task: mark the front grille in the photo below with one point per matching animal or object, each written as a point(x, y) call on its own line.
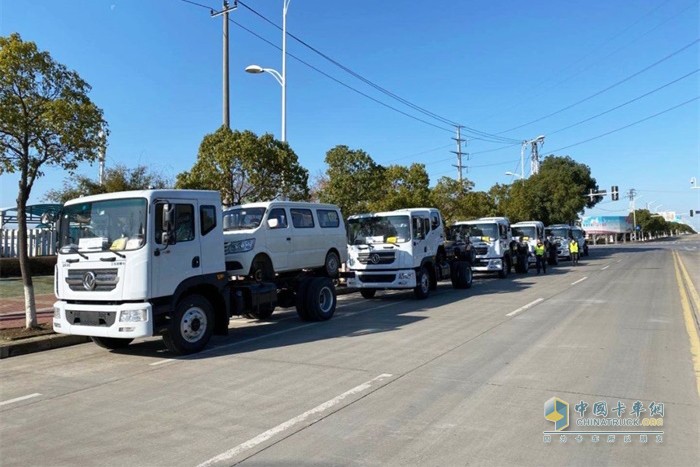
point(91, 318)
point(377, 257)
point(105, 280)
point(376, 277)
point(481, 250)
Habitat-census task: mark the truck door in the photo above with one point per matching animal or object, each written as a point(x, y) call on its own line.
point(421, 243)
point(174, 263)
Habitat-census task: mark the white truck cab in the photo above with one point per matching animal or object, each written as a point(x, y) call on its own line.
point(560, 235)
point(491, 239)
point(277, 237)
point(399, 250)
point(529, 232)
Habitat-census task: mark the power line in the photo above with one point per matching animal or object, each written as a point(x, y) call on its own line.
point(606, 89)
point(627, 126)
point(626, 103)
point(481, 134)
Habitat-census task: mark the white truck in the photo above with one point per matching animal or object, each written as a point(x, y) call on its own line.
point(151, 262)
point(404, 249)
point(528, 233)
point(492, 240)
point(560, 235)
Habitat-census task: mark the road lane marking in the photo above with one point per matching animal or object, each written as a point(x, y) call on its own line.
point(580, 280)
point(689, 321)
point(18, 399)
point(604, 268)
point(523, 308)
point(266, 435)
point(283, 331)
point(689, 282)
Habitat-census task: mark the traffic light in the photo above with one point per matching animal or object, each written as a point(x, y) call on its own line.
point(615, 194)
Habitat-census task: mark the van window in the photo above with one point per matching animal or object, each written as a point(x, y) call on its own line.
point(327, 218)
point(207, 219)
point(302, 218)
point(281, 216)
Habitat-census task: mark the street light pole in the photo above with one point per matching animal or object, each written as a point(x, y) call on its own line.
point(285, 7)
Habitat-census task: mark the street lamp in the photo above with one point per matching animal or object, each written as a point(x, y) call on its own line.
point(280, 77)
point(513, 174)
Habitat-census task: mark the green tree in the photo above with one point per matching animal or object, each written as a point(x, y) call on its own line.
point(117, 178)
point(555, 195)
point(458, 203)
point(353, 180)
point(46, 119)
point(246, 168)
point(403, 187)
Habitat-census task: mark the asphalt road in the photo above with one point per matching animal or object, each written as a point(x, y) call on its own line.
point(458, 379)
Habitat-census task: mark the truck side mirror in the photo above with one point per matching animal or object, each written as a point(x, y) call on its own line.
point(273, 223)
point(168, 224)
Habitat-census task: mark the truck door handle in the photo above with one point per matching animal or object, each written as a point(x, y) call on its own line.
point(289, 239)
point(195, 262)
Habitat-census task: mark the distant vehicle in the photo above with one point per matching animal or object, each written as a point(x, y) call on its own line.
point(560, 235)
point(580, 237)
point(529, 232)
point(491, 239)
point(404, 249)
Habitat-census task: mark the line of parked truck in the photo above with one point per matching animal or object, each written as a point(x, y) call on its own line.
point(173, 263)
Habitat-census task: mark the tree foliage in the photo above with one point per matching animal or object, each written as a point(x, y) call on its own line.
point(46, 119)
point(555, 195)
point(458, 202)
point(354, 181)
point(246, 168)
point(117, 178)
point(403, 187)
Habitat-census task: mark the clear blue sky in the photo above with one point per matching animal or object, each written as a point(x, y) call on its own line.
point(155, 69)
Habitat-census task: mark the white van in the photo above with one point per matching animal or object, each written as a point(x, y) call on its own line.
point(277, 237)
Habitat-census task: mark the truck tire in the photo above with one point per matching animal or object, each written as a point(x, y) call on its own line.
point(422, 289)
point(503, 273)
point(461, 275)
point(368, 293)
point(585, 250)
point(191, 325)
point(331, 266)
point(111, 343)
point(302, 288)
point(261, 269)
point(320, 299)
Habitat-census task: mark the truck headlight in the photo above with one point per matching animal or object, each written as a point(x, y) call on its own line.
point(56, 313)
point(133, 316)
point(351, 261)
point(241, 246)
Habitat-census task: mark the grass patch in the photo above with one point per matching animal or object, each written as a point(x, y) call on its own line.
point(13, 334)
point(11, 287)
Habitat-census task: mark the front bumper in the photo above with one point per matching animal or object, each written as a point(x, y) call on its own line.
point(403, 279)
point(102, 320)
point(487, 265)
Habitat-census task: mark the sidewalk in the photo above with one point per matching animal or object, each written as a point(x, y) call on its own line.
point(12, 315)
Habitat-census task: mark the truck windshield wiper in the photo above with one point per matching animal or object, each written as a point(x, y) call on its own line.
point(72, 249)
point(121, 255)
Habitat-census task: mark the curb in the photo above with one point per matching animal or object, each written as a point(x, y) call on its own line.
point(38, 343)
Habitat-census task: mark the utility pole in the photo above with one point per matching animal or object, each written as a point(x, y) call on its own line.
point(535, 155)
point(631, 195)
point(101, 173)
point(224, 12)
point(459, 153)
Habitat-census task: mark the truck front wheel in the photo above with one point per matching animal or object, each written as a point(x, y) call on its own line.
point(191, 326)
point(505, 268)
point(422, 289)
point(111, 343)
point(368, 293)
point(461, 275)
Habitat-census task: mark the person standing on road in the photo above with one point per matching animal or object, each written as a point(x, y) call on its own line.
point(573, 250)
point(540, 260)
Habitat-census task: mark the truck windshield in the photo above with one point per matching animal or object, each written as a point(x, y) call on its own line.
point(116, 224)
point(243, 218)
point(524, 232)
point(562, 232)
point(477, 230)
point(578, 234)
point(379, 229)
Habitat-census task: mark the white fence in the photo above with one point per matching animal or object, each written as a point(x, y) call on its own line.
point(40, 242)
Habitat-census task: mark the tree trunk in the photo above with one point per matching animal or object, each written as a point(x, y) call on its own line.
point(29, 304)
